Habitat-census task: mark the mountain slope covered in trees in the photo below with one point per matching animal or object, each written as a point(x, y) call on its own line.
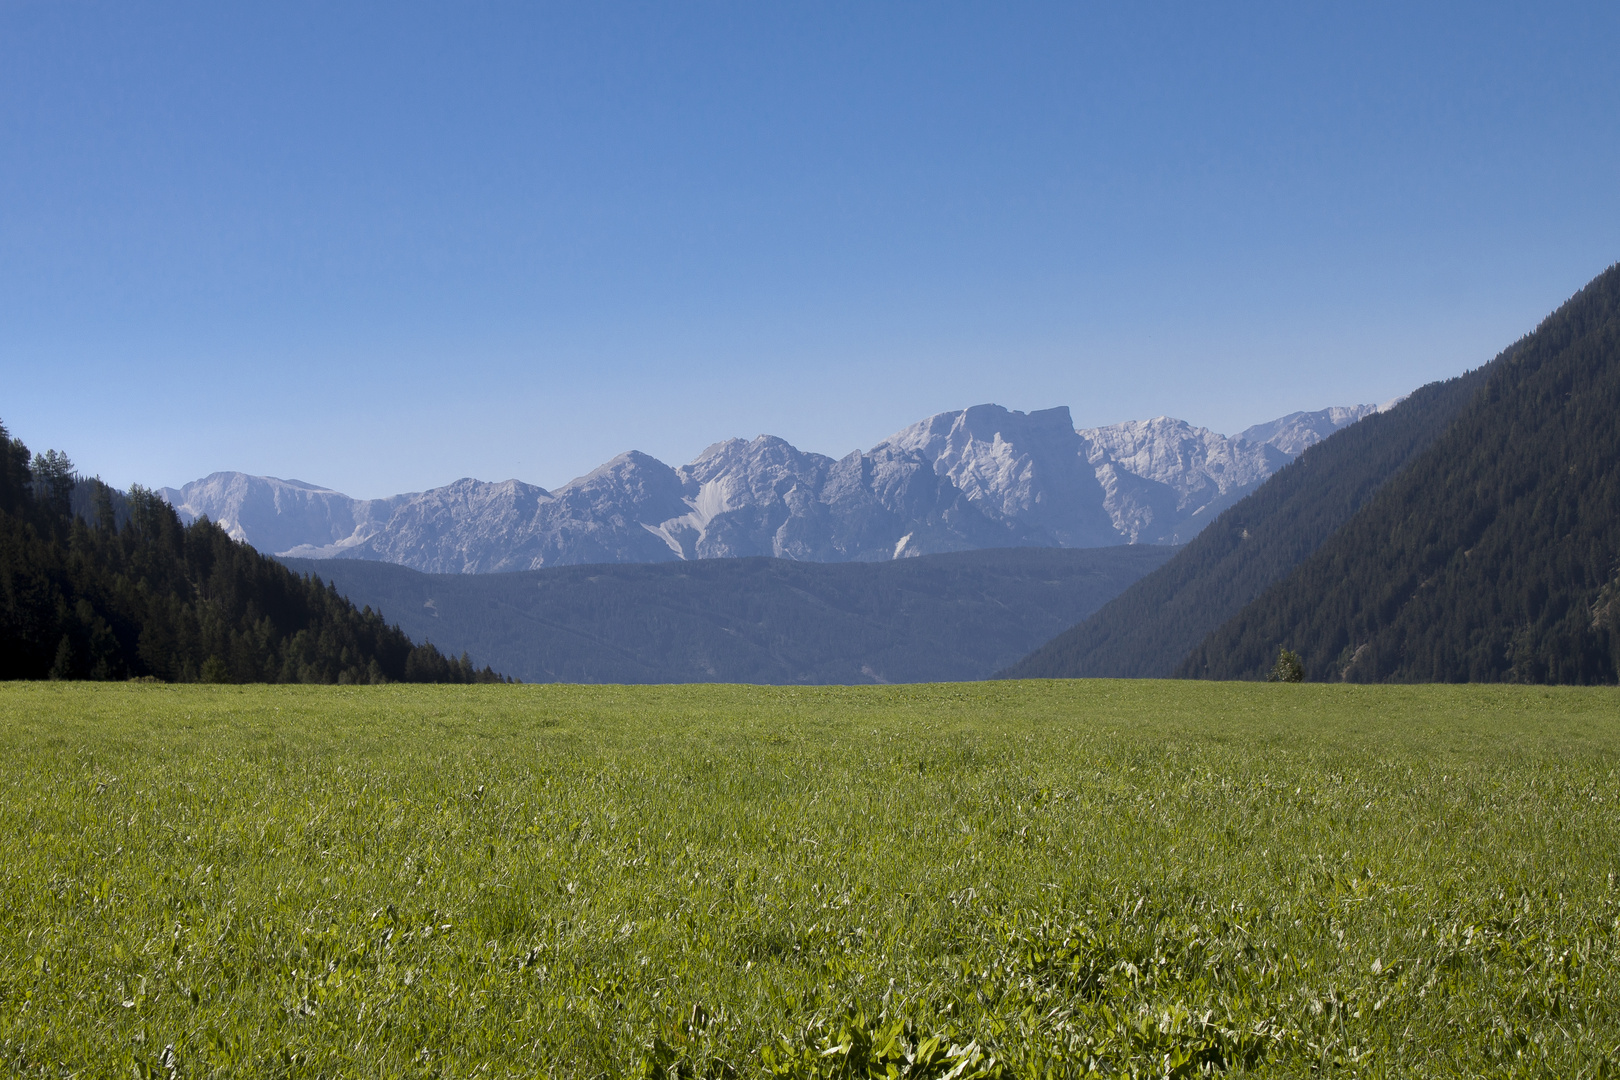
point(94, 584)
point(1494, 556)
point(1146, 630)
point(953, 616)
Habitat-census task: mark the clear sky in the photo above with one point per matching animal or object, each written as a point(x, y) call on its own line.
point(380, 247)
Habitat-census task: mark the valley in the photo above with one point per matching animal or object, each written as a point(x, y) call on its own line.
point(957, 616)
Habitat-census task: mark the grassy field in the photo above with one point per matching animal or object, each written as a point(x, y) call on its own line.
point(1004, 879)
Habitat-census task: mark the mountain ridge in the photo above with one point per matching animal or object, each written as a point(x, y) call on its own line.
point(948, 617)
point(1494, 557)
point(1147, 629)
point(975, 478)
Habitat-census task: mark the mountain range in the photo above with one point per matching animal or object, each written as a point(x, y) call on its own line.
point(983, 477)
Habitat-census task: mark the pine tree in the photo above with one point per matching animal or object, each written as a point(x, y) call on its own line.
point(53, 481)
point(1288, 668)
point(62, 667)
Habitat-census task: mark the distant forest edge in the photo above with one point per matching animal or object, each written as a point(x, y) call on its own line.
point(947, 617)
point(1470, 534)
point(96, 584)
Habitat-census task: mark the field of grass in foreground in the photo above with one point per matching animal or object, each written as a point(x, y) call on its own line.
point(1014, 879)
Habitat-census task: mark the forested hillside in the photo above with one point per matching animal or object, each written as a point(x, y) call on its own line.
point(1494, 556)
point(1147, 630)
point(953, 616)
point(121, 589)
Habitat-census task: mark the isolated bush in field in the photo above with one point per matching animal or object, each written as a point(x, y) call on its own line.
point(1288, 668)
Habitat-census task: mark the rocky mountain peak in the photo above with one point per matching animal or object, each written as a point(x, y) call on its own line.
point(1015, 466)
point(1293, 433)
point(980, 477)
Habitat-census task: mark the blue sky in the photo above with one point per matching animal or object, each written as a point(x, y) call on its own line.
point(381, 247)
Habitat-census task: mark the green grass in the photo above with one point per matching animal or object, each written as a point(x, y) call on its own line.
point(1133, 877)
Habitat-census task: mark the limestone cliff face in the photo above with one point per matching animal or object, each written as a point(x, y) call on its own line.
point(1023, 469)
point(976, 478)
point(1165, 479)
point(1293, 433)
point(279, 515)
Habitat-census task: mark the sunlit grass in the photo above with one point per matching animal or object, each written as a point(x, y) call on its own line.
point(1163, 877)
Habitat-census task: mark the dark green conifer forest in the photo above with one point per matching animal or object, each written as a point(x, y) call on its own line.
point(95, 584)
point(1147, 630)
point(1494, 556)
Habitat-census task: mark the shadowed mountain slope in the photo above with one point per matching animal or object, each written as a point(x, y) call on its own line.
point(937, 617)
point(1146, 630)
point(1494, 556)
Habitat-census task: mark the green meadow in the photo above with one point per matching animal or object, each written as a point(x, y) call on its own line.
point(993, 879)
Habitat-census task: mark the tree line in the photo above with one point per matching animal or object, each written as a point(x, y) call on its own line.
point(97, 584)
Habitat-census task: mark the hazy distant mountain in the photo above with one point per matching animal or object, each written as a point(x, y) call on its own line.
point(1293, 433)
point(1164, 479)
point(978, 478)
point(955, 616)
point(1027, 471)
point(280, 515)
